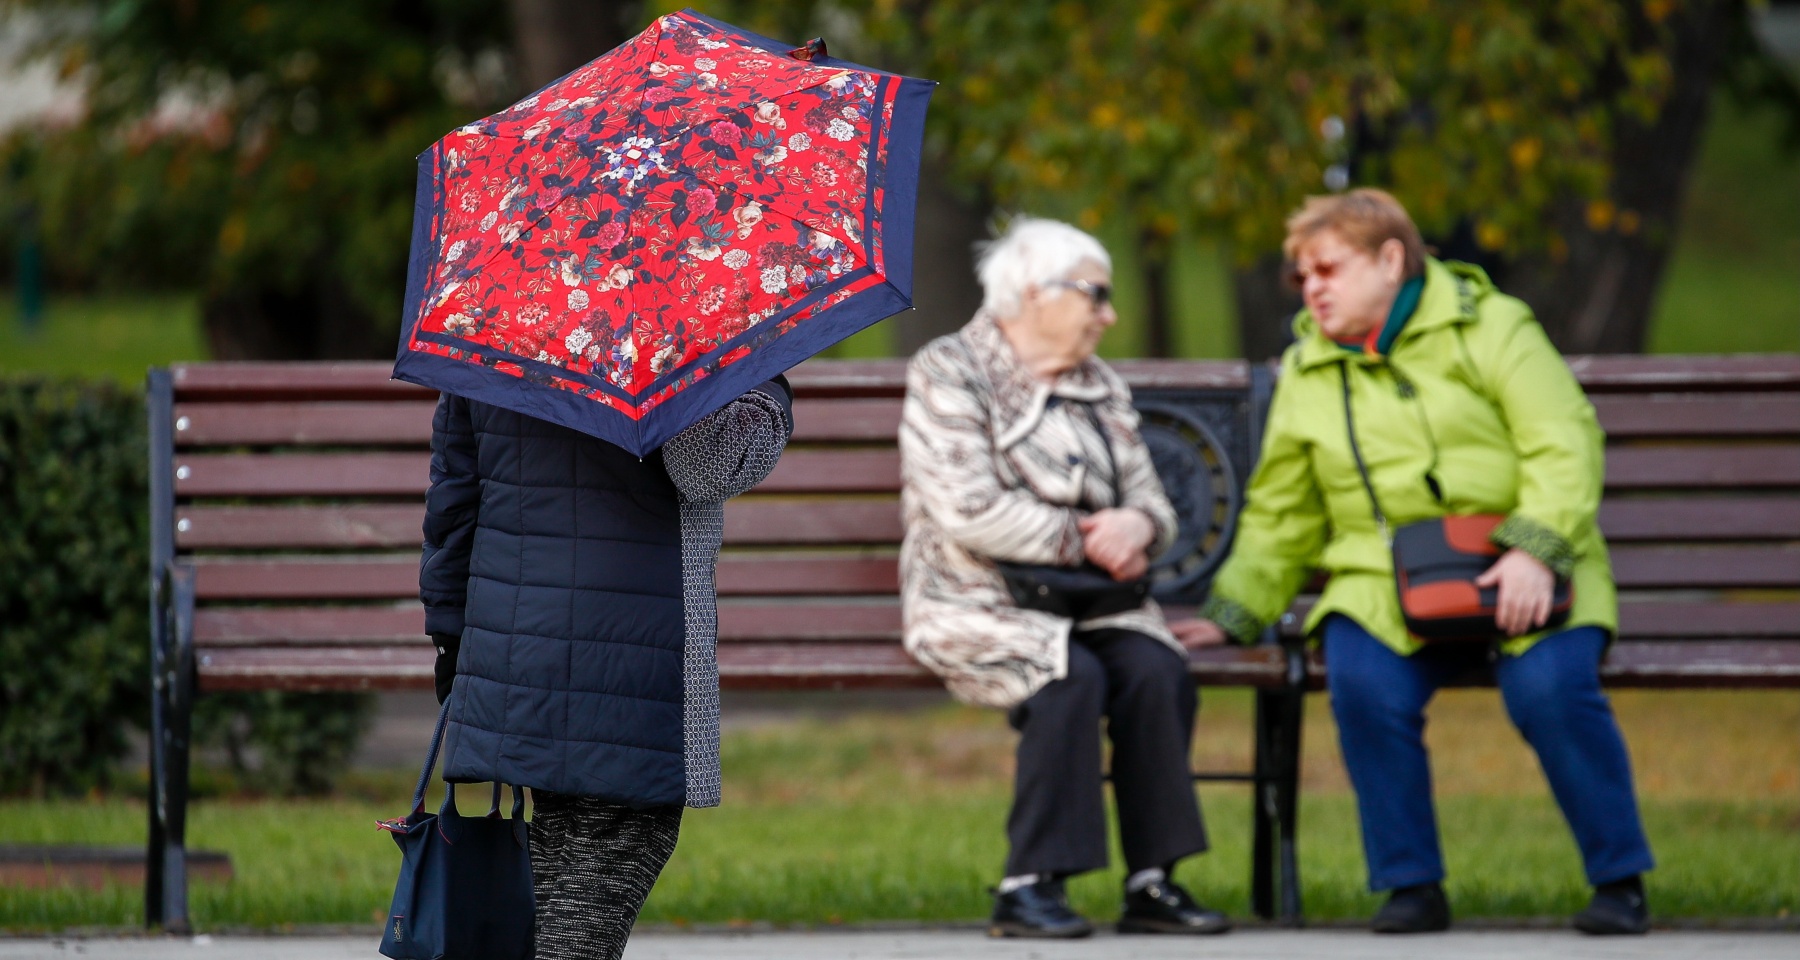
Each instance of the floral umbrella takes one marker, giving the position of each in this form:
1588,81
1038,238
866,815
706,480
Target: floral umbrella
633,246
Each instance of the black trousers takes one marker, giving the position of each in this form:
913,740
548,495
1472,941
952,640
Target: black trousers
1058,819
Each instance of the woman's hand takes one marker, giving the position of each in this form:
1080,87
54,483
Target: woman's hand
1118,541
1194,634
1526,590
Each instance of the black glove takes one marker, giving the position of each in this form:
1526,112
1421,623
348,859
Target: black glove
447,647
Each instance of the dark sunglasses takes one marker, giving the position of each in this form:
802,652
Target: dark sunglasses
1100,293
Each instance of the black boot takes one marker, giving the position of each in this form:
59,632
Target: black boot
1164,907
1420,909
1037,910
1617,908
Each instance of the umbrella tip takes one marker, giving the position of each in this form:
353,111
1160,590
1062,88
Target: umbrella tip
813,48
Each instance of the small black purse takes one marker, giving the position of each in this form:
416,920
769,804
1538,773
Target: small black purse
1079,593
1084,592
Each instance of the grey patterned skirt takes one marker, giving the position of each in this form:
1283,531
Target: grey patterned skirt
592,865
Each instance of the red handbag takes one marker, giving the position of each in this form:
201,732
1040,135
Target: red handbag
1436,564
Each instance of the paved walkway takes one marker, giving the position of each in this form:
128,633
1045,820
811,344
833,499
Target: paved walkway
970,945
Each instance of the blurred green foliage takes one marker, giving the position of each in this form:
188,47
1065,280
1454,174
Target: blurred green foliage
234,145
257,145
74,612
73,607
1224,115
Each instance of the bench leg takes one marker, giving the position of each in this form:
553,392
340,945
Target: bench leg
1264,824
1292,707
153,854
165,887
1275,866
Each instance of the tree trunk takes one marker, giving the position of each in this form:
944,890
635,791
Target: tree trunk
1265,305
945,291
553,37
1600,297
1153,249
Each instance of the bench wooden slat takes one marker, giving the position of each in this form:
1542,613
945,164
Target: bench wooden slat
1703,465
1694,664
1650,619
1694,517
344,380
814,620
395,526
811,620
827,619
408,474
848,420
803,574
397,577
807,574
368,526
328,423
875,470
321,578
349,668
741,665
408,422
832,521
1645,568
1629,374
1699,415
818,521
302,475
400,624
1703,663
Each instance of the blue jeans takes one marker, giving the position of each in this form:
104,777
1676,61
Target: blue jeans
1552,693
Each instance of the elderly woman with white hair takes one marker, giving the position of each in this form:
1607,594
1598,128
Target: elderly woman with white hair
1032,513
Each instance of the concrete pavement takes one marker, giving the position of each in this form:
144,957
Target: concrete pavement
1255,944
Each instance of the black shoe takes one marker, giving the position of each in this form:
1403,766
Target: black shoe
1420,909
1038,910
1164,907
1617,908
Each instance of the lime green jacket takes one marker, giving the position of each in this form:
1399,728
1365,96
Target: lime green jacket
1473,400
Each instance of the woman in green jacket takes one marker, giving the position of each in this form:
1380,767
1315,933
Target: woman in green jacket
1460,405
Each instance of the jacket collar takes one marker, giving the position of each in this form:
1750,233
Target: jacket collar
1451,291
1020,399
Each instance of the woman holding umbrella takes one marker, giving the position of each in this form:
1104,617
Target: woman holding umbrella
568,585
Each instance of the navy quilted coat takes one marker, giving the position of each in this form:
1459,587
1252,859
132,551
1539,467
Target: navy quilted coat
580,579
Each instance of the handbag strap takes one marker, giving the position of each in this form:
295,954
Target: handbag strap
1362,469
1112,459
431,757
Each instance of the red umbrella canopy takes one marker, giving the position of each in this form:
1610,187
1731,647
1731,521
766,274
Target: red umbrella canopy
634,245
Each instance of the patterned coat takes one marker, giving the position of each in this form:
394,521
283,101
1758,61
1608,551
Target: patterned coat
998,465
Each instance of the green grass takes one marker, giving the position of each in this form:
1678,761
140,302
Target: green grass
111,336
899,816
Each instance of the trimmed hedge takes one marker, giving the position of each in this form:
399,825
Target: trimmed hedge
74,612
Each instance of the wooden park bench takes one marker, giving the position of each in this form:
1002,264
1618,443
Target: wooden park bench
286,510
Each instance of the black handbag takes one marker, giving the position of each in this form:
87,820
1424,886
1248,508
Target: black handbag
1083,592
1436,564
464,891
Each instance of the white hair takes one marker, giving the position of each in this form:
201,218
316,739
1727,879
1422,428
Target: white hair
1032,252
